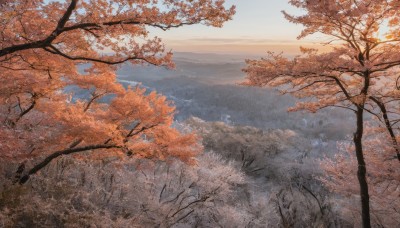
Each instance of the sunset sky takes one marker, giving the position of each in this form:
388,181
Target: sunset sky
257,27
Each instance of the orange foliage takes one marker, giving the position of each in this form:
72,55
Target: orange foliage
42,45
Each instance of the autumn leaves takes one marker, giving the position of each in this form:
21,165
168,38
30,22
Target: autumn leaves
42,45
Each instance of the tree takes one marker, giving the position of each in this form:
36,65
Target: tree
50,51
384,180
289,195
132,193
360,73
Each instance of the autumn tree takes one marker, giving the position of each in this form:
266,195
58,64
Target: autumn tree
50,50
359,73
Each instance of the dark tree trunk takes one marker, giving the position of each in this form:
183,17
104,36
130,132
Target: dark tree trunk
362,171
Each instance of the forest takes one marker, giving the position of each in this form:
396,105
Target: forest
102,126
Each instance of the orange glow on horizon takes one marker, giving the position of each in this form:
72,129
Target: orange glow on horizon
244,49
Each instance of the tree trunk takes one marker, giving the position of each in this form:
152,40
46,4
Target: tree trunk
362,171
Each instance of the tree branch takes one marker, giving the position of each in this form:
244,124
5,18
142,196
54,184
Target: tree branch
57,154
388,125
47,41
86,27
56,51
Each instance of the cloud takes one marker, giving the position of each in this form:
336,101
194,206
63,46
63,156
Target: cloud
227,41
239,46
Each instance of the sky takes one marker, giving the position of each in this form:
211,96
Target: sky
257,27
